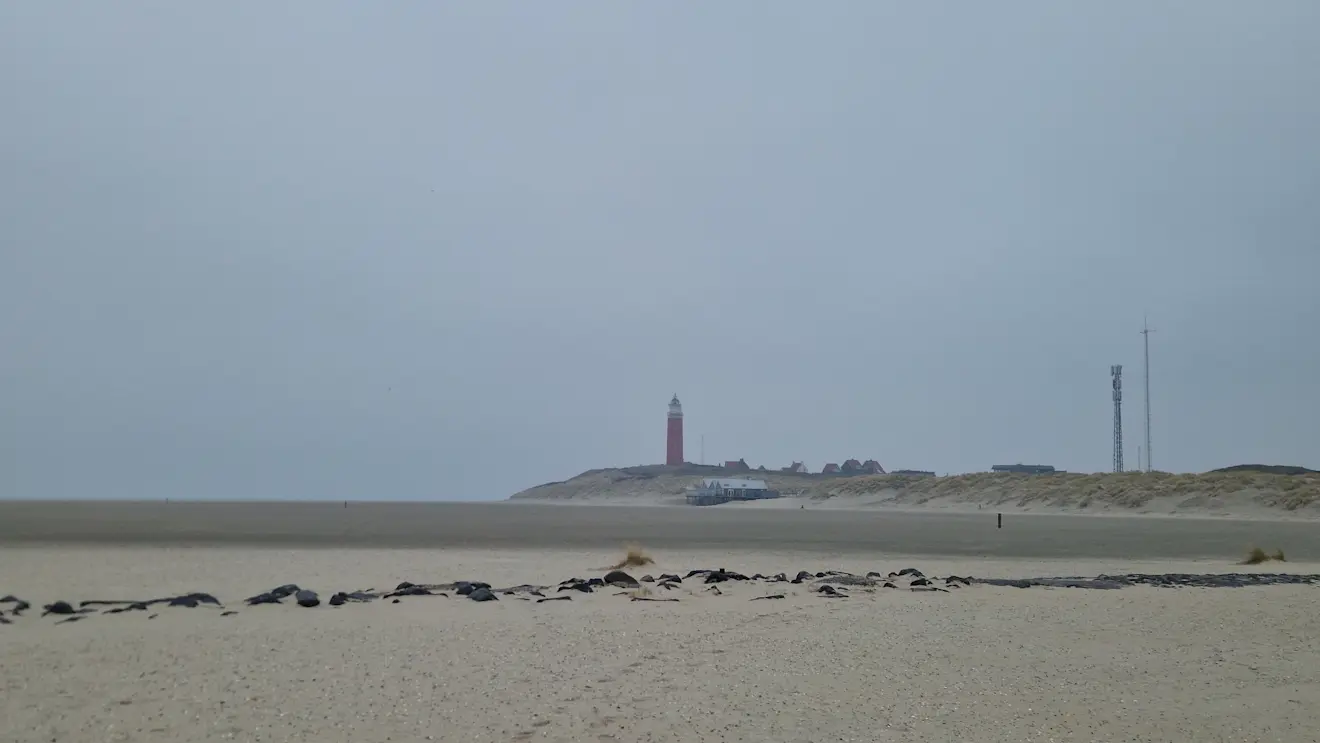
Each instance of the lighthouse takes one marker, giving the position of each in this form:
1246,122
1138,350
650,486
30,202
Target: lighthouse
674,439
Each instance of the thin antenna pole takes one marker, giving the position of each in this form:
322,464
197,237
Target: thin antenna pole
1145,333
703,448
1116,372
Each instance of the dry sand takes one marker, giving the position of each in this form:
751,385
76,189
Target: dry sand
978,664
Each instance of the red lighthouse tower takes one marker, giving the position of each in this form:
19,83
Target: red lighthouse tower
674,440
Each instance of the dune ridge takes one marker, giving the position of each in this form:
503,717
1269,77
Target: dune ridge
1231,493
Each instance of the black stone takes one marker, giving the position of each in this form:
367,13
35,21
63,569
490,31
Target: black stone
774,596
554,598
483,594
307,598
620,578
59,607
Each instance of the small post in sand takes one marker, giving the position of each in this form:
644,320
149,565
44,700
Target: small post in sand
1001,520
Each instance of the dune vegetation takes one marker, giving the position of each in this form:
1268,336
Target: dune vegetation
1228,492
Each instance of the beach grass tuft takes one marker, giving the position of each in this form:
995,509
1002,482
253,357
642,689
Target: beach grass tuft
1257,556
634,558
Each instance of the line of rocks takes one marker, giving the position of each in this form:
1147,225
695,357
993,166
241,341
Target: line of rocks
826,584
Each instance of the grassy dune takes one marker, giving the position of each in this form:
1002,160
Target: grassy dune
1222,493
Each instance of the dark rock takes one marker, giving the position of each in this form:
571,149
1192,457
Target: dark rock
274,595
338,599
692,573
411,590
648,598
647,579
307,598
620,578
773,596
554,598
668,586
71,619
136,606
920,582
595,582
928,589
912,572
889,585
228,613
583,587
722,575
957,579
831,591
803,575
671,578
59,607
184,601
779,578
20,605
715,590
287,589
483,594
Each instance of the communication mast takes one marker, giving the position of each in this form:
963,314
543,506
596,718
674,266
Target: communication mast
1145,333
1116,372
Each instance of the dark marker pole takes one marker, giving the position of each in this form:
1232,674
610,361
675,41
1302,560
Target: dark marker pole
1001,520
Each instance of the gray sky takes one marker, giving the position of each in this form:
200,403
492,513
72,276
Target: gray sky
451,250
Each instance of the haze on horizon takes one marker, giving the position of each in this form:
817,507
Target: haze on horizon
452,250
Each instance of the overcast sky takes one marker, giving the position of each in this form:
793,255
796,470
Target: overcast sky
452,250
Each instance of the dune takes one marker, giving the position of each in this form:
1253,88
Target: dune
1231,493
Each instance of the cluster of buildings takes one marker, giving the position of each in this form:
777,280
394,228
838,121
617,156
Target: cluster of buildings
714,490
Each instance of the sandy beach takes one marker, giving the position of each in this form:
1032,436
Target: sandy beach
979,663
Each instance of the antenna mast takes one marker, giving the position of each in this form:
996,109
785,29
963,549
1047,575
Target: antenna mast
1117,373
1145,333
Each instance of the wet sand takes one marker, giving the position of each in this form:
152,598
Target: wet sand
553,526
977,664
